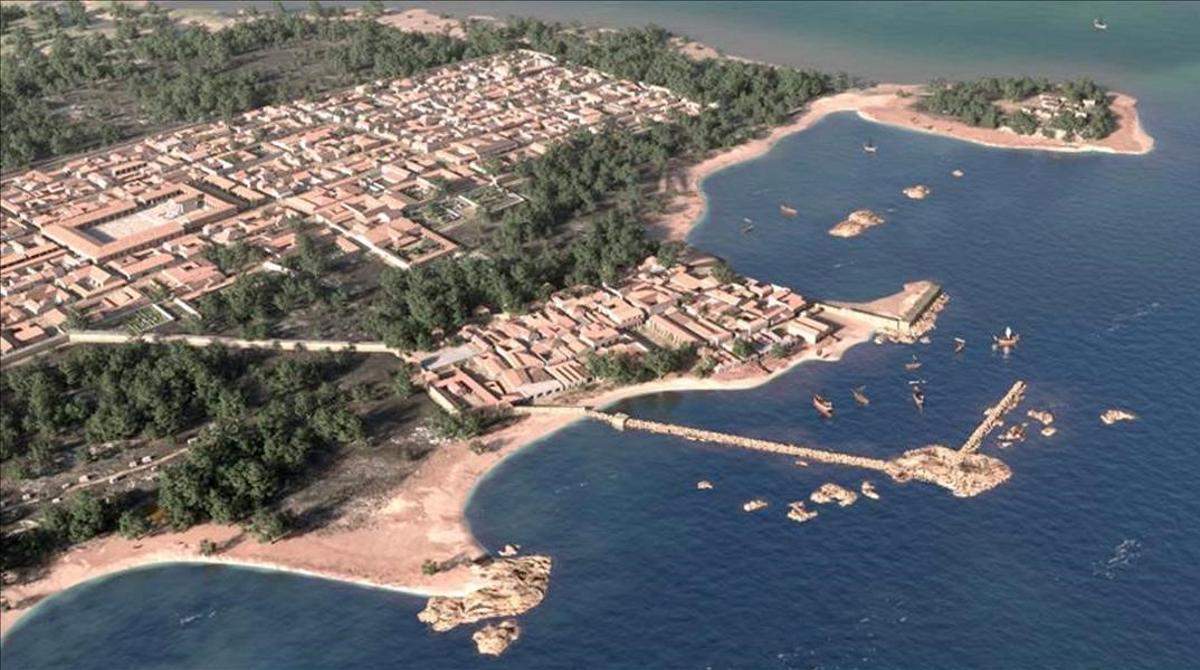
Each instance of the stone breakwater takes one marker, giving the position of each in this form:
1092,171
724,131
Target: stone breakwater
994,416
964,474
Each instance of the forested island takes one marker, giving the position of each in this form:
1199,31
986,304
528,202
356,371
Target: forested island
1066,109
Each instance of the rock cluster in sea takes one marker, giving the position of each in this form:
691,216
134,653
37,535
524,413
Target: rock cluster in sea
918,192
1114,415
510,586
494,639
704,485
857,223
798,513
830,492
964,474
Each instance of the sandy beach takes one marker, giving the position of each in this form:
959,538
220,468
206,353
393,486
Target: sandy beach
888,104
423,518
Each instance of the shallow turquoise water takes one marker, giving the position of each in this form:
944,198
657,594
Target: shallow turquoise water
1086,559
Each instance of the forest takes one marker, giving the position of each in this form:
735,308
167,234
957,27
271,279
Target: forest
261,425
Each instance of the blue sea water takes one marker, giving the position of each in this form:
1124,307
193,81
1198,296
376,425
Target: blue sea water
1088,558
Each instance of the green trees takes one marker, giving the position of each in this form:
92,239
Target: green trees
630,369
461,425
81,518
268,525
973,103
132,525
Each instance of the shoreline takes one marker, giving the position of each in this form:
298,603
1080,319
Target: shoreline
889,105
424,517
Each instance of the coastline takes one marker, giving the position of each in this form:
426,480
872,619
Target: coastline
423,518
885,104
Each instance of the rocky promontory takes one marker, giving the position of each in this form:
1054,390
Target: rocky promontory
493,640
510,586
966,474
857,223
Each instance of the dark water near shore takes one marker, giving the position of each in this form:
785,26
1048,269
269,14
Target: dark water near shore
1088,558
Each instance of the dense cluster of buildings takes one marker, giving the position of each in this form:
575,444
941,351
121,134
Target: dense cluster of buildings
385,168
515,359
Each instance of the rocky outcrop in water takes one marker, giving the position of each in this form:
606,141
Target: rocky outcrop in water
798,513
830,492
857,223
511,586
493,640
1114,415
966,474
704,485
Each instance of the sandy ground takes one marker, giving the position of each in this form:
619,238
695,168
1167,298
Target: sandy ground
423,21
422,519
889,104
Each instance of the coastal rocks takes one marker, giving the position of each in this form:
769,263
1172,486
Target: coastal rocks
965,474
704,485
754,505
868,490
830,492
857,223
510,586
1048,431
918,192
1015,433
798,513
1042,416
1114,415
493,640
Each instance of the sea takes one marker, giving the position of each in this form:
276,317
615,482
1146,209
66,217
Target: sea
1089,557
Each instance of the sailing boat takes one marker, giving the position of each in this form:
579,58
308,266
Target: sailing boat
1008,341
914,364
869,146
918,396
860,397
959,345
823,405
1099,24
787,210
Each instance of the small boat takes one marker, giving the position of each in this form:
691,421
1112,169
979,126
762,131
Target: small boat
860,397
748,228
914,364
869,146
918,396
787,210
823,405
959,345
1008,340
1099,24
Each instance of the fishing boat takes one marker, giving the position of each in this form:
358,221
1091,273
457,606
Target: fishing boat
959,345
860,397
787,210
1099,24
914,364
918,396
823,405
869,146
1008,340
